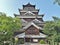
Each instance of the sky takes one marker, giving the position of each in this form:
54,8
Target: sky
46,7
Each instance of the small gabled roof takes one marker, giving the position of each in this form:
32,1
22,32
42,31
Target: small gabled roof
29,12
28,5
31,23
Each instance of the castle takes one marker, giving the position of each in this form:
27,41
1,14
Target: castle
32,24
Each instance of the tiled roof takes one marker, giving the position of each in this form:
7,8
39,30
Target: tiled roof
35,23
29,13
21,10
31,23
22,35
29,5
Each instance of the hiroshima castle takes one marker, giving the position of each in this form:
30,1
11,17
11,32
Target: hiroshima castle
32,24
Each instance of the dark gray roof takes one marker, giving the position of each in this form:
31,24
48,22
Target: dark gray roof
22,35
28,5
34,22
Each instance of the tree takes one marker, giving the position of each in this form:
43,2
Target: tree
49,30
52,29
57,1
57,28
7,27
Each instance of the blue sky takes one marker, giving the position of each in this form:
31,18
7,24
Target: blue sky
46,7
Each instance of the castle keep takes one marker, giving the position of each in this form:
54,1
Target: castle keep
32,24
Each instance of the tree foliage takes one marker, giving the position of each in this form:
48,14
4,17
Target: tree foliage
57,1
7,26
52,29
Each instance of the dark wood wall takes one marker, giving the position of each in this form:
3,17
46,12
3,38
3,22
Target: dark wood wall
29,19
32,31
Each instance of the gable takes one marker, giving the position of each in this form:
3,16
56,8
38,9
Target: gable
32,30
29,13
31,23
32,27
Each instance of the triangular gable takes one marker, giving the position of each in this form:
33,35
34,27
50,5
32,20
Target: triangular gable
33,25
29,13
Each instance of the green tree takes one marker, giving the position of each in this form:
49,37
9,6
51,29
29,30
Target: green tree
57,1
52,29
57,28
49,30
7,27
